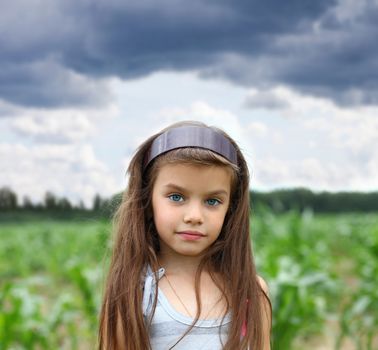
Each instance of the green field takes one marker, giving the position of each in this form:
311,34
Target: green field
322,271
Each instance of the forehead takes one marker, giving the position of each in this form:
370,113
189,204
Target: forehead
194,177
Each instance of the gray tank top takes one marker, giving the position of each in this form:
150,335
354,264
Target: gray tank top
168,325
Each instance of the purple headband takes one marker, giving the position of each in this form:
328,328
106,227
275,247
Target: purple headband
191,136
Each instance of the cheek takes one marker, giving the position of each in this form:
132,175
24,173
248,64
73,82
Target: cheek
161,215
220,219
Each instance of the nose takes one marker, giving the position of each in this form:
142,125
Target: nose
193,213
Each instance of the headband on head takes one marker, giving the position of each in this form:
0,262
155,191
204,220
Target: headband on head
191,136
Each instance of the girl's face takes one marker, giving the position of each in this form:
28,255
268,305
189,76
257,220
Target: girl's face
189,205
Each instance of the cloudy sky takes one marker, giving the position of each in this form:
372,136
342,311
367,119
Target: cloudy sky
83,82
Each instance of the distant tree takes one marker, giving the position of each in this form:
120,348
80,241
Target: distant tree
97,203
111,205
64,204
27,203
8,199
50,201
324,202
81,205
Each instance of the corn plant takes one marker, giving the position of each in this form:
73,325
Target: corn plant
292,257
359,314
50,284
318,268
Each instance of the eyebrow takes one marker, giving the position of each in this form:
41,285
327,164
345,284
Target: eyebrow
181,189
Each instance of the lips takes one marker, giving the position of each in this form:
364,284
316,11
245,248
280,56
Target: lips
191,233
191,236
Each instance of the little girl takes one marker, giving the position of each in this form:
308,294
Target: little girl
182,274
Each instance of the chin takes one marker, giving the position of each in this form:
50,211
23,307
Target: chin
192,253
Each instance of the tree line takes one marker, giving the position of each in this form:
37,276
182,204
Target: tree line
278,201
321,202
9,201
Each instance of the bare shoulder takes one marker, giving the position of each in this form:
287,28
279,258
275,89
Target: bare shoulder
267,314
263,284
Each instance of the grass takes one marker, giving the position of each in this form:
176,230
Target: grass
322,272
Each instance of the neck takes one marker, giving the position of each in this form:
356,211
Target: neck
183,265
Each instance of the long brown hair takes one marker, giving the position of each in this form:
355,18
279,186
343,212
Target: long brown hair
136,246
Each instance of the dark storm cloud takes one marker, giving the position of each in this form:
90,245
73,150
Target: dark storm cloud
339,58
55,53
47,84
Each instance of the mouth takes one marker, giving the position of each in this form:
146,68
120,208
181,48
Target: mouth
191,233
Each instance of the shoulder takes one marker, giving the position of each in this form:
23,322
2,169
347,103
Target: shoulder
266,313
263,284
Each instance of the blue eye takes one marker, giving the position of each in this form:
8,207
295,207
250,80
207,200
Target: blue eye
213,202
175,197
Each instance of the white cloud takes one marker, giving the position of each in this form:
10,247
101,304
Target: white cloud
50,150
54,129
71,171
312,144
351,129
333,147
310,172
60,125
198,110
358,133
79,152
257,128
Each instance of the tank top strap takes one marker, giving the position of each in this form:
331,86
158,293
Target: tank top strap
149,283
